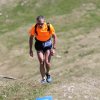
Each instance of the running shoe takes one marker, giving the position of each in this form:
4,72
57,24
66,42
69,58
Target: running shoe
48,79
43,81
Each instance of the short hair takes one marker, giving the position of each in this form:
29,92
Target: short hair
40,17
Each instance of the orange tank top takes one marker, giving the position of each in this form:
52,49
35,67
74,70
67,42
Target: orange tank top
43,33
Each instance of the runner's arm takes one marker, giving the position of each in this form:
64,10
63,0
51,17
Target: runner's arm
30,45
54,40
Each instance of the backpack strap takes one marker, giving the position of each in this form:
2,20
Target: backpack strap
36,29
48,25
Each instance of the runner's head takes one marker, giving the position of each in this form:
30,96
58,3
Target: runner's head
40,21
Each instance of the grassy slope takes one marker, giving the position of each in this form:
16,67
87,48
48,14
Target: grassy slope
77,26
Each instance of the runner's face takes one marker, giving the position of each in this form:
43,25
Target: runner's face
40,23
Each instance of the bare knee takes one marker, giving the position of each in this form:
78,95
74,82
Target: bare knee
47,62
41,61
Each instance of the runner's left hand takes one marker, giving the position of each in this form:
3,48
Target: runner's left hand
52,52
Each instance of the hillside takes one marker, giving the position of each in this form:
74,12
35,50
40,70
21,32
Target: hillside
75,67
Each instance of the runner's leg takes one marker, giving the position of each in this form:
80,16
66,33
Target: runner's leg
47,60
41,61
48,65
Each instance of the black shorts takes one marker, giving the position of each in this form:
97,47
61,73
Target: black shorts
43,46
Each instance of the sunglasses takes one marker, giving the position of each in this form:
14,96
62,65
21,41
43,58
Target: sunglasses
40,23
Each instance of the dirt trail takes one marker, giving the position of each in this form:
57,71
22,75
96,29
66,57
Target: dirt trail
2,2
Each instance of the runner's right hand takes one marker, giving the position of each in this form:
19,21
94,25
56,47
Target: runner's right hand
31,53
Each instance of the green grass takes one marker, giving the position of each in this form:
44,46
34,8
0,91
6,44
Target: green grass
85,22
22,15
15,22
22,91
